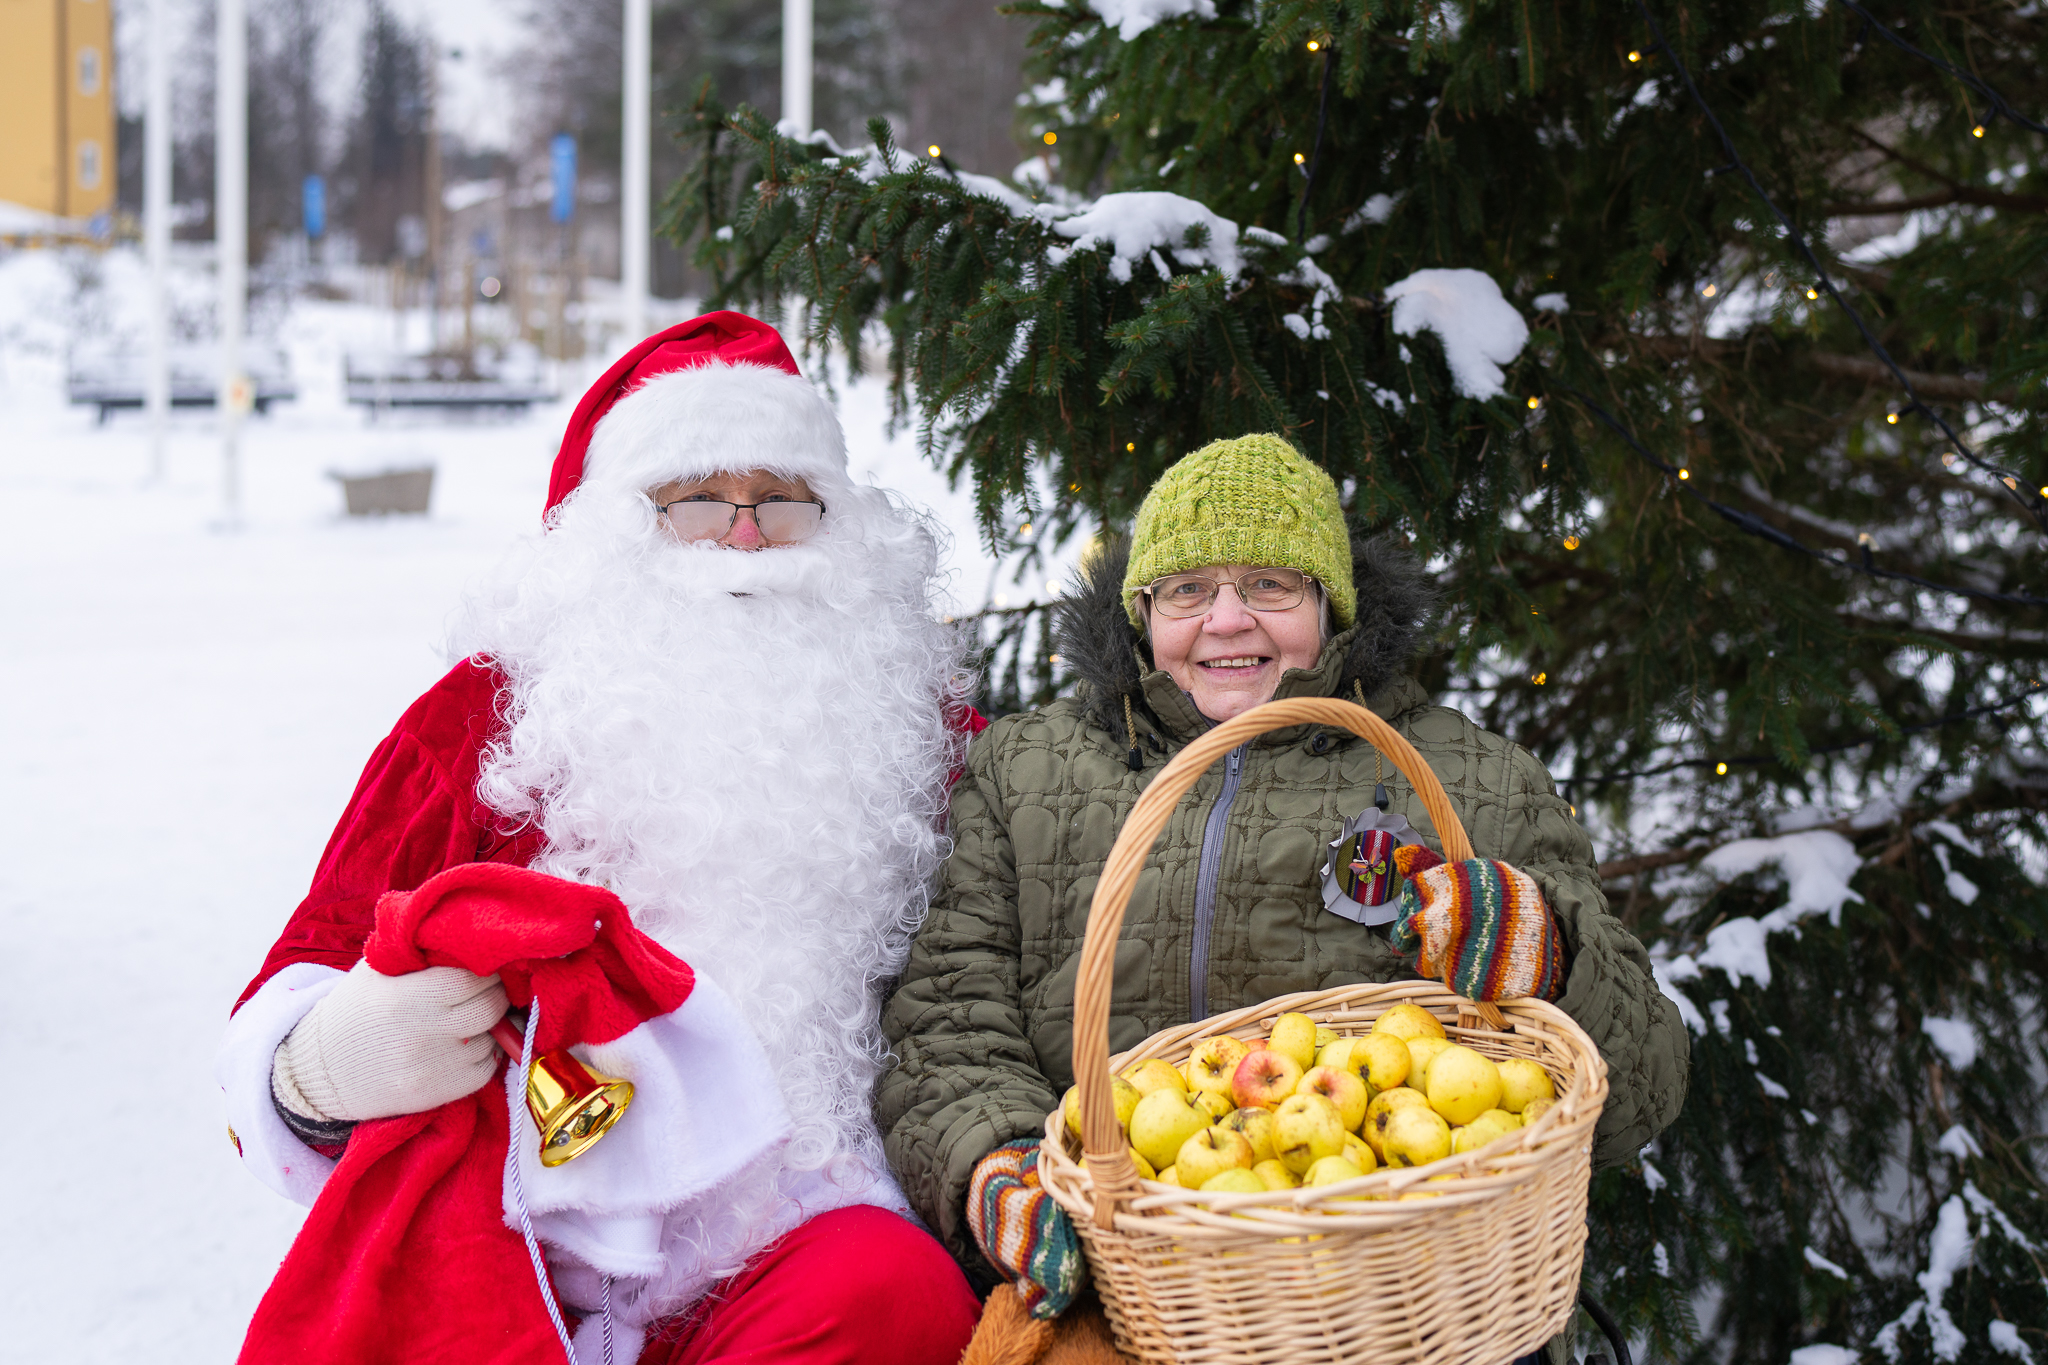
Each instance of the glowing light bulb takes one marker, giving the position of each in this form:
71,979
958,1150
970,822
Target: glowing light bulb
2010,482
1299,158
1540,679
1130,446
1721,769
1812,293
2044,491
1634,55
1892,418
1685,473
1710,290
1025,529
1978,131
1051,138
1314,46
1571,542
932,150
1534,403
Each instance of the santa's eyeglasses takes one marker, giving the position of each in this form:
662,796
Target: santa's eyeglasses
781,523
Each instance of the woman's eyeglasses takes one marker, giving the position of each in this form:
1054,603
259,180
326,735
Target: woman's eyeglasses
781,523
1193,594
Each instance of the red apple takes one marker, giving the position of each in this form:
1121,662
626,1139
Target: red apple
1263,1079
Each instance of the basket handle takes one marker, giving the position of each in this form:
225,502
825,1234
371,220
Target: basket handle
1102,1145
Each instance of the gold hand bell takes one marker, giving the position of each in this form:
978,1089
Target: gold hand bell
572,1105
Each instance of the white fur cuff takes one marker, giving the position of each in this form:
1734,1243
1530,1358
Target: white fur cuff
242,1067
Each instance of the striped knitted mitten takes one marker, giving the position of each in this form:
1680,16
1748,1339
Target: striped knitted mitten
1481,927
1022,1230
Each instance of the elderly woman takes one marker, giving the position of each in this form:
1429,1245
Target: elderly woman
1240,584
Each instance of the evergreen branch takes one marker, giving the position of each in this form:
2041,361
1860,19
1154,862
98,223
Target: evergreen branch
1954,388
1750,524
1895,730
1998,104
1961,194
1822,281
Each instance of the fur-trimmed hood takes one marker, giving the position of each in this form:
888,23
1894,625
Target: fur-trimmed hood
1098,642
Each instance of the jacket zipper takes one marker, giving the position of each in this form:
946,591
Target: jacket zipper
1205,884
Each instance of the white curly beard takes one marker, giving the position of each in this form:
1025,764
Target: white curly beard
751,750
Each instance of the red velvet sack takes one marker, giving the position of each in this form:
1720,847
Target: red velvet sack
406,1255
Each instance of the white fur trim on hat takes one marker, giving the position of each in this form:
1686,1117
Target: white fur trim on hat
716,419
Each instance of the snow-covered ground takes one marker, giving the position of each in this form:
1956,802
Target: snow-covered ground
183,711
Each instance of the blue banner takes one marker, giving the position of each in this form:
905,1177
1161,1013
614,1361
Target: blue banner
315,206
563,155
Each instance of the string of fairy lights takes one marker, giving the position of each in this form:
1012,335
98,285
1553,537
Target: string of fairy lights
1722,765
1999,108
1750,524
2036,507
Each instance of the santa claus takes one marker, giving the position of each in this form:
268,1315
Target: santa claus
714,688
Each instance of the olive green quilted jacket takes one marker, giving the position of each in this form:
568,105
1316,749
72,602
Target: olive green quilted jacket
981,1021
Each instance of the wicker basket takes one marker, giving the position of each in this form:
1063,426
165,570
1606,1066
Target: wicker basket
1473,1272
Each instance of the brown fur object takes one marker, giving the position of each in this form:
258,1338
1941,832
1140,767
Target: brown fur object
1009,1335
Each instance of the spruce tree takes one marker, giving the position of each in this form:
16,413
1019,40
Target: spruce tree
1747,544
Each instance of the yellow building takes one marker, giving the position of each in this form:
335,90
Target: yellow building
57,106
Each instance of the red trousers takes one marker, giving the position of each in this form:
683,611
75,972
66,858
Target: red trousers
857,1286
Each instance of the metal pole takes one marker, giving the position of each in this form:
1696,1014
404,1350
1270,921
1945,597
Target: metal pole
433,197
796,64
231,236
634,224
156,231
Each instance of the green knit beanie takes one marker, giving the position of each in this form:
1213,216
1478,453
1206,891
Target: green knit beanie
1255,500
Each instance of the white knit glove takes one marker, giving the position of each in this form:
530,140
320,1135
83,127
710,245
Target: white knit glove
383,1045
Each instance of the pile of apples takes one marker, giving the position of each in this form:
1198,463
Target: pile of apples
1307,1106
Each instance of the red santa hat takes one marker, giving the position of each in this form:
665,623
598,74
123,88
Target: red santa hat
717,394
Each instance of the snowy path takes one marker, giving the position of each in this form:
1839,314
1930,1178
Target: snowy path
185,713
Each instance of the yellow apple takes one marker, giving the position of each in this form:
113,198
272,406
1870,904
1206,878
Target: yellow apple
1263,1079
1340,1088
1381,1109
1521,1081
1358,1154
1152,1073
1324,1037
1257,1127
1236,1180
1534,1110
1169,1176
1408,1020
1214,1061
1215,1103
1210,1152
1415,1136
1122,1093
1306,1128
1382,1059
1463,1084
1294,1035
1488,1127
1421,1052
1145,1171
1162,1121
1275,1175
1330,1170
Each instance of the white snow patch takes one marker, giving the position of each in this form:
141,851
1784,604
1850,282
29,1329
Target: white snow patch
1132,17
1375,210
1310,275
1772,1088
1662,1259
1959,886
1821,1353
1736,946
1954,834
1817,865
1479,328
724,234
1137,223
1810,1118
2005,1338
1979,1201
1820,1262
1552,303
1653,1178
1947,1252
1958,1143
1955,1037
1719,1009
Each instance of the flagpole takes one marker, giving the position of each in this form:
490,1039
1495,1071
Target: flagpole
156,232
231,239
634,213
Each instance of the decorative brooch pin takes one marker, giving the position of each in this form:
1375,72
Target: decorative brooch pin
1360,881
